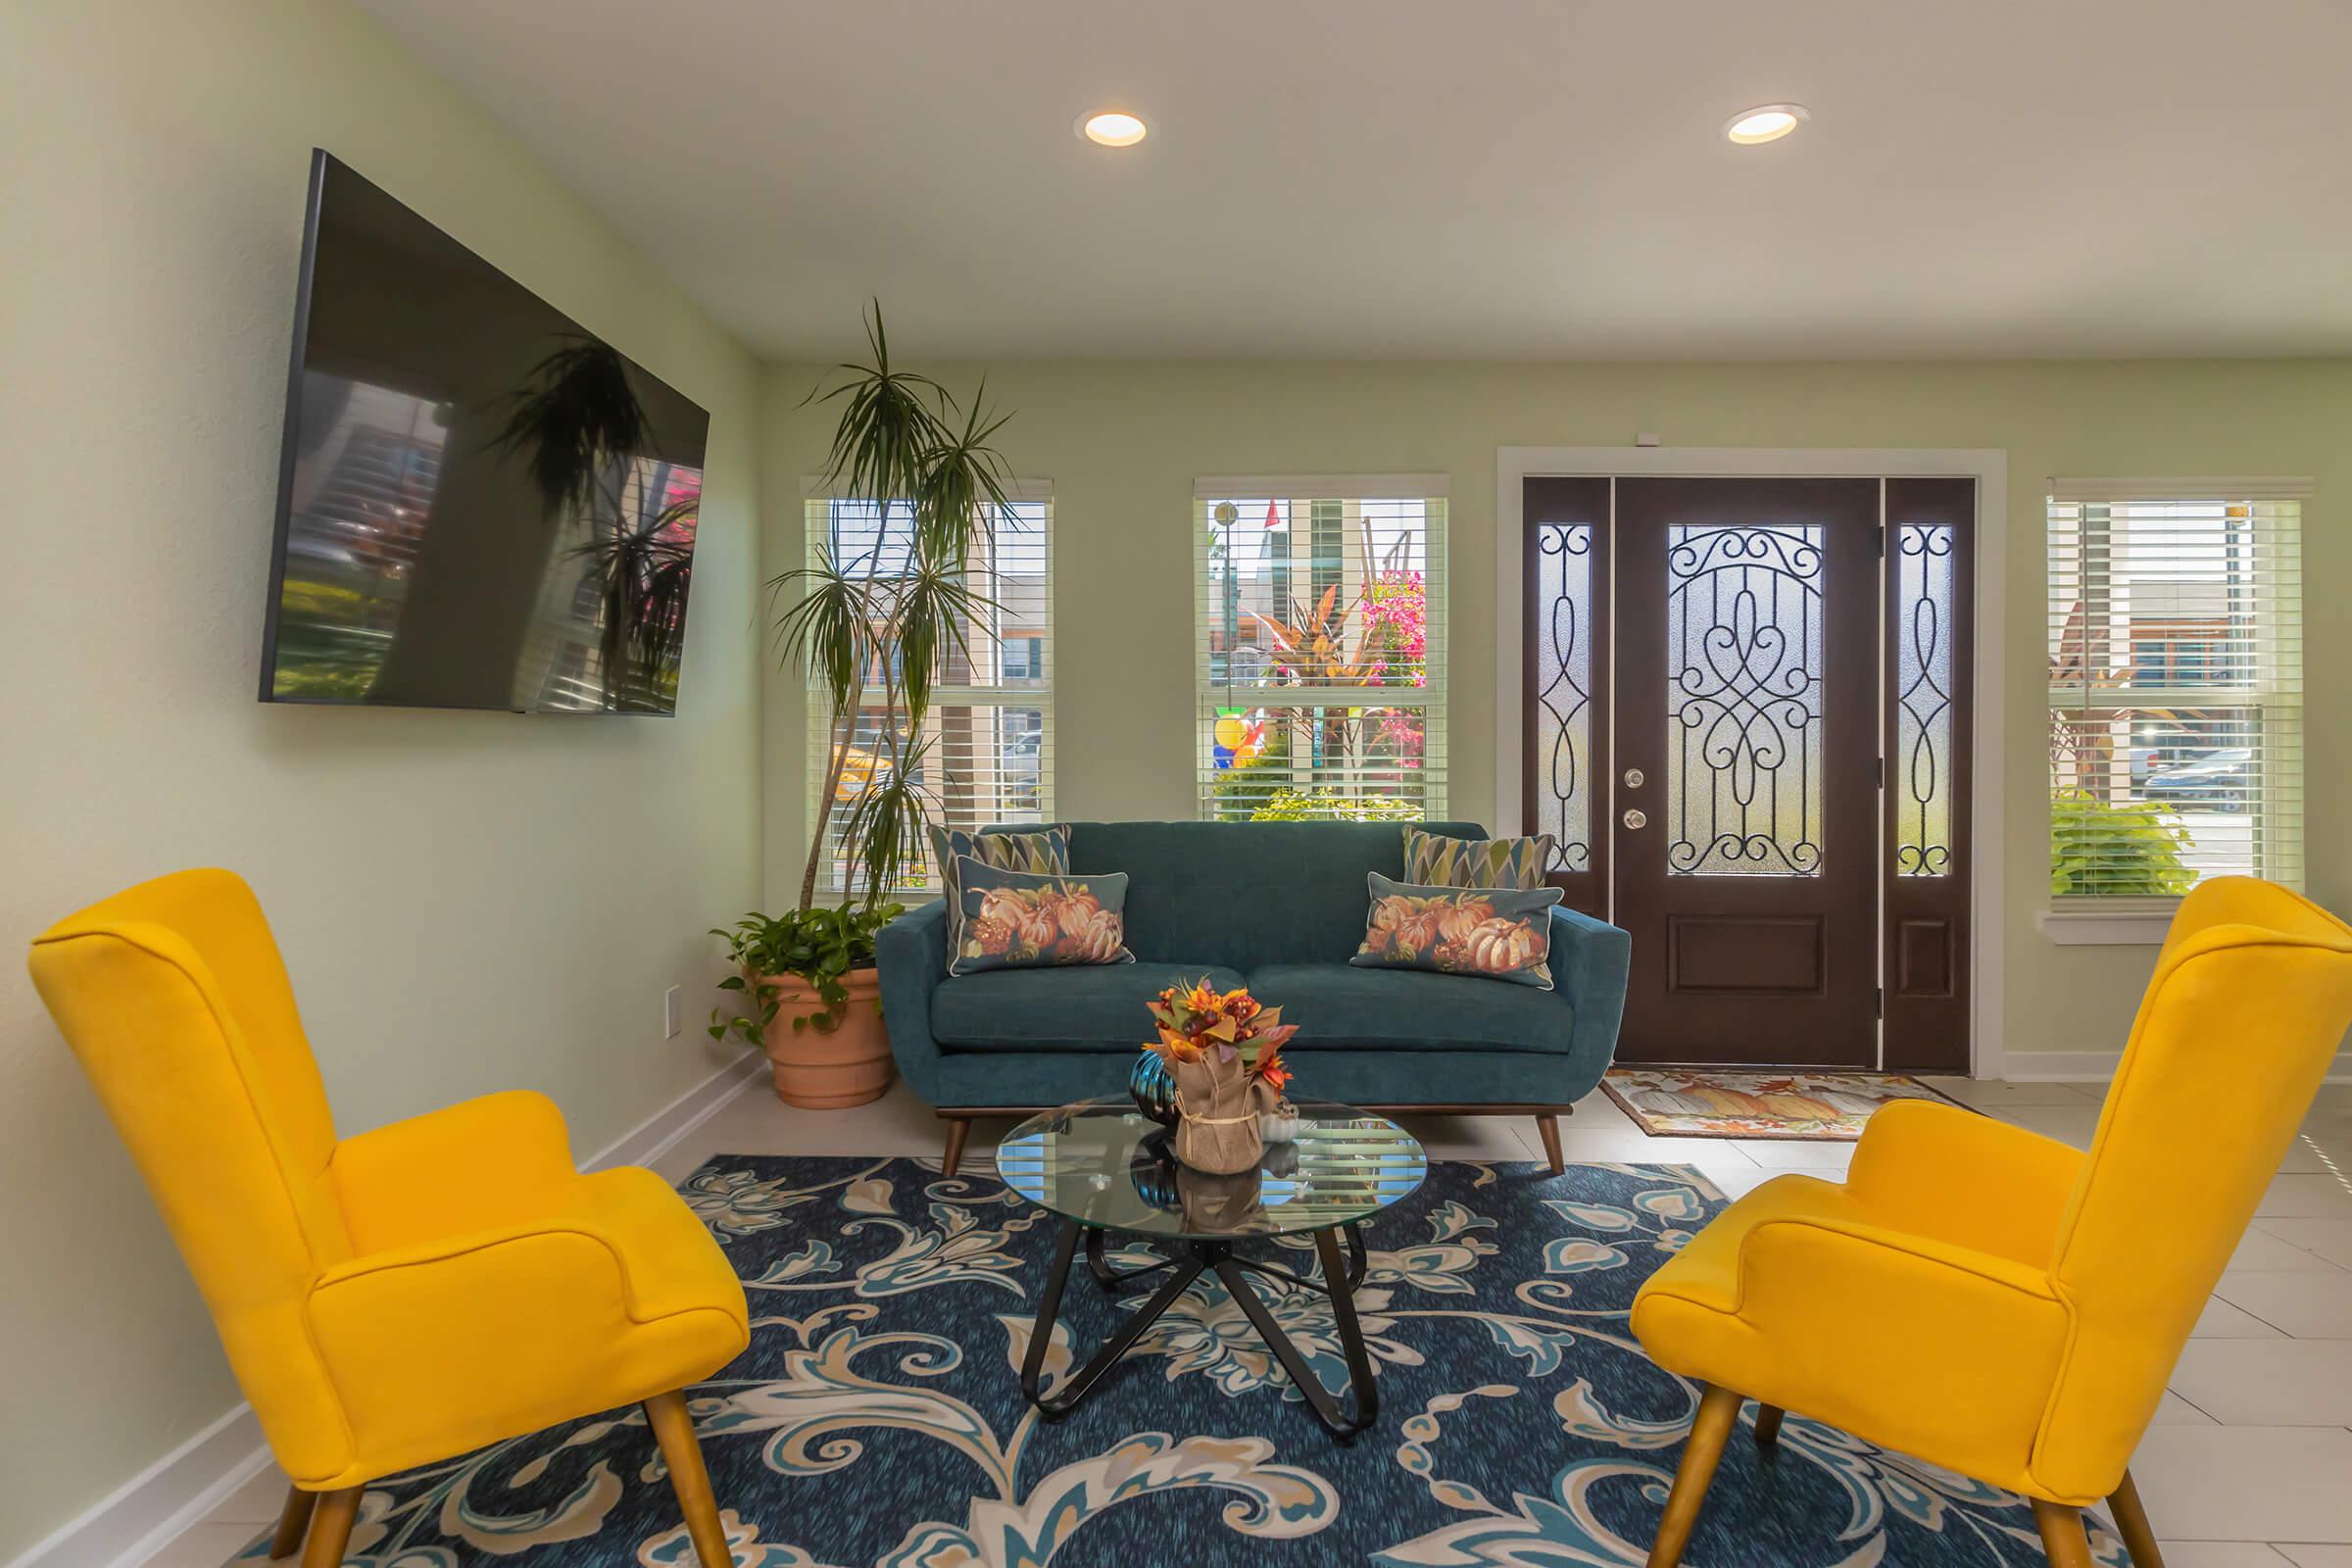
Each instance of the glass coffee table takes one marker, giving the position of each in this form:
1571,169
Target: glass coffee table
1105,1169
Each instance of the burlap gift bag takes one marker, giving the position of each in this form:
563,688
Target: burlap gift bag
1217,1205
1216,1124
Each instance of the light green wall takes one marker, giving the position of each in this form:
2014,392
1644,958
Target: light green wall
1123,442
471,902
468,902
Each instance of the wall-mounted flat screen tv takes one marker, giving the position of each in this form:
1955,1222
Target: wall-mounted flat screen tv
480,503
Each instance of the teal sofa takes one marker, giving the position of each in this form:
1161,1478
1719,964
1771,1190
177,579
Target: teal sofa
1278,907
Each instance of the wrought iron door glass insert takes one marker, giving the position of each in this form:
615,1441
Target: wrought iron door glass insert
1103,1168
1564,695
1923,715
1743,686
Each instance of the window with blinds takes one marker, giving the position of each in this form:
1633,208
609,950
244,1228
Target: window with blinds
1320,647
2175,654
987,741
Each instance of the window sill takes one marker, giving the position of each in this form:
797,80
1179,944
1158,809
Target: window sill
2126,925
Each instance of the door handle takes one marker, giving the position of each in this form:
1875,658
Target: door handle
1636,820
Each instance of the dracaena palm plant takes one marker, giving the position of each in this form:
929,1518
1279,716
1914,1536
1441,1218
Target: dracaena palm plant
882,620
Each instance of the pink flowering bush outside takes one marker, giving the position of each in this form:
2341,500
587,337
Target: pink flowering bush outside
1397,630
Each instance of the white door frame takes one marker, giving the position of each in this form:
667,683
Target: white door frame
1989,468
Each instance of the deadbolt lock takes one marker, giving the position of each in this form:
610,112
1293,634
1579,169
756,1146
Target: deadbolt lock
1632,779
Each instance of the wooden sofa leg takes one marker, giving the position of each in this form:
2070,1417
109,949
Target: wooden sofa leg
1718,1413
959,1128
293,1523
1547,1126
330,1527
1768,1425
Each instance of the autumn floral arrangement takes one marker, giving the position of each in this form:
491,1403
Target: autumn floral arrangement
1224,1051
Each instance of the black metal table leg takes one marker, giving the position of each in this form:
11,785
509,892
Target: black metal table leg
1048,1308
1110,1279
1357,1262
1358,1265
1364,1395
1360,1381
1064,1399
1339,1278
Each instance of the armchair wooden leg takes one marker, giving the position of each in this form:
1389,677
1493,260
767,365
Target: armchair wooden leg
330,1527
1547,1127
1718,1413
2062,1537
1768,1425
959,1128
674,1428
293,1522
2132,1523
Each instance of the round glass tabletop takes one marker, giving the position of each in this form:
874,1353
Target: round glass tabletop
1103,1163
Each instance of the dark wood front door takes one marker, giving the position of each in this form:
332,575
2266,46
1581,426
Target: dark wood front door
1745,833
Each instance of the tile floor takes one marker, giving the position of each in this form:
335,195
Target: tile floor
2249,1464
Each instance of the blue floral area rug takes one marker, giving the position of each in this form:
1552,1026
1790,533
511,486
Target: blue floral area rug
877,1417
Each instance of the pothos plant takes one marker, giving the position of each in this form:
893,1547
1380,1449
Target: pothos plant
819,946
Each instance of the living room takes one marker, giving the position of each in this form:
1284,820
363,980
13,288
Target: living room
1771,548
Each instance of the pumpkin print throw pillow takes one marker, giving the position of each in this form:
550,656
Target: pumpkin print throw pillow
1034,919
1493,933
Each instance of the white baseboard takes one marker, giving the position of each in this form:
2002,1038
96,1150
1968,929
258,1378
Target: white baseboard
2098,1066
655,1136
138,1518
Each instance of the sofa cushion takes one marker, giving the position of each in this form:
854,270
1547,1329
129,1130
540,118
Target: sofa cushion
1338,1007
1098,1008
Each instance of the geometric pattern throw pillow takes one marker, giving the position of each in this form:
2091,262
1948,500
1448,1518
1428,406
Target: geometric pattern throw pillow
1431,861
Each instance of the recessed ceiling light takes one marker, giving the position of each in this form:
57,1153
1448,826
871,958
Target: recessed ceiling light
1765,122
1112,128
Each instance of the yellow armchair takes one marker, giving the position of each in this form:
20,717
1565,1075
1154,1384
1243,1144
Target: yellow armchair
398,1297
1992,1300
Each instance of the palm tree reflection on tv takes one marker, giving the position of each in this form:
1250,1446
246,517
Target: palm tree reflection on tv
532,553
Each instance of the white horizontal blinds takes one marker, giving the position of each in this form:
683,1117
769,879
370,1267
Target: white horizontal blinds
1320,647
2176,667
989,736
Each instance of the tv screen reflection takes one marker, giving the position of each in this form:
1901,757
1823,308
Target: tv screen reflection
482,504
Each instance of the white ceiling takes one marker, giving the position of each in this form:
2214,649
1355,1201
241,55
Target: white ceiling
1455,178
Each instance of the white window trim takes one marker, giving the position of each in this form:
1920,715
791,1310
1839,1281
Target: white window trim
816,487
2261,487
2107,922
1988,466
1321,486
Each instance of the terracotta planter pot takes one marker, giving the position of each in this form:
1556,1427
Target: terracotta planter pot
823,1071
